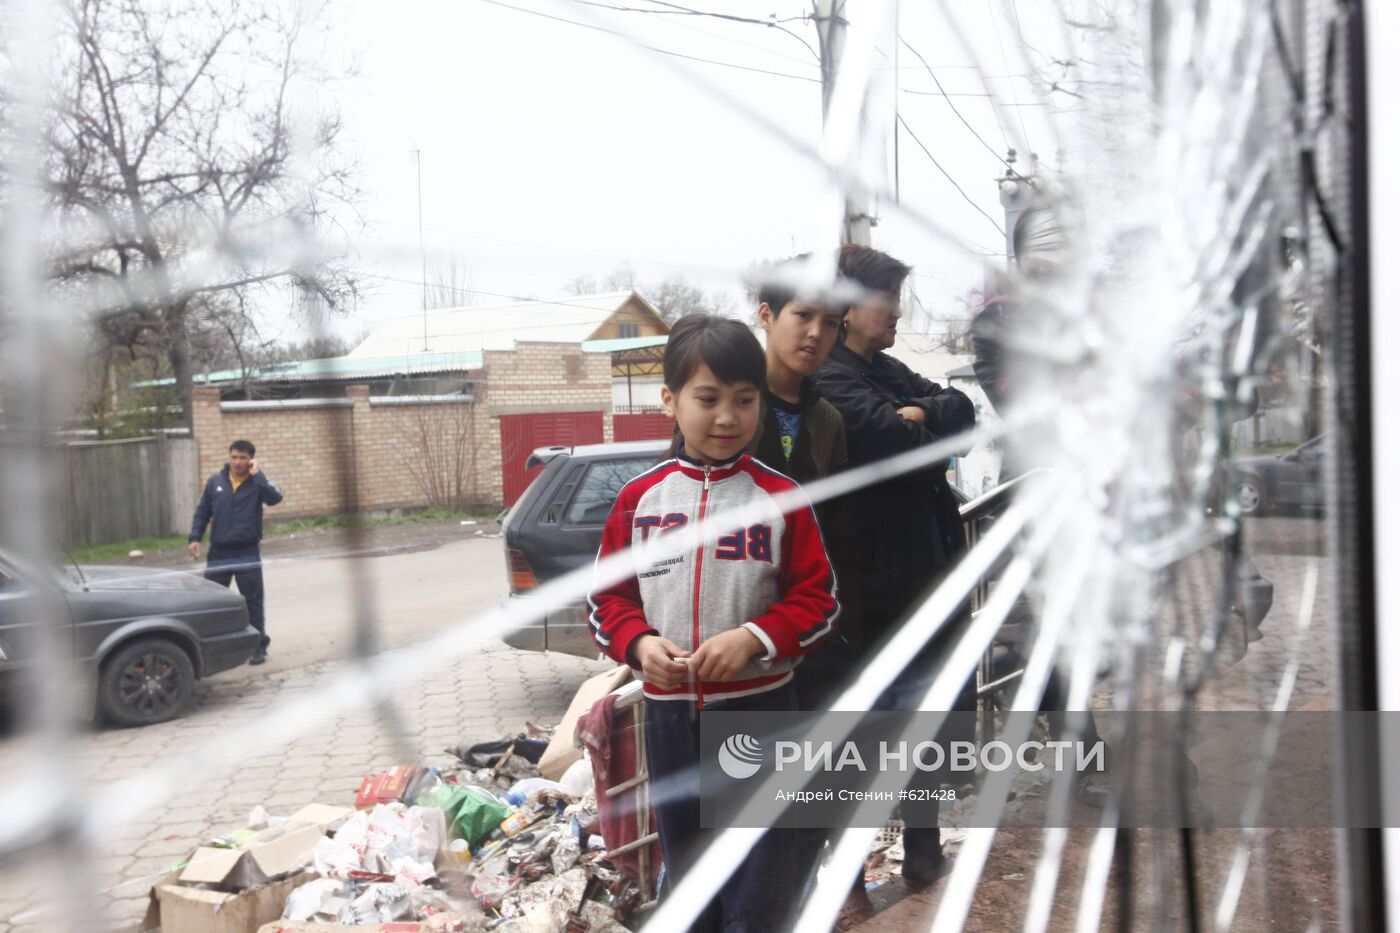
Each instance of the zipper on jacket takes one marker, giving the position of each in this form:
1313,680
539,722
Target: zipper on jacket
695,601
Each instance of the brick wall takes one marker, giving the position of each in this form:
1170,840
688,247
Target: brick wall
358,453
409,455
541,377
303,447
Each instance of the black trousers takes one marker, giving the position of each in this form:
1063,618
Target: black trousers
832,667
243,565
761,895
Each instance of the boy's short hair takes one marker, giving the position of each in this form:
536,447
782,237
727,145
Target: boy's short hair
871,268
779,287
729,348
244,446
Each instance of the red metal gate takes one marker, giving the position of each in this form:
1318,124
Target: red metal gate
646,426
521,434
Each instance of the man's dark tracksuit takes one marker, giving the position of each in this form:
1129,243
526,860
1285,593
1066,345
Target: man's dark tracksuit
233,541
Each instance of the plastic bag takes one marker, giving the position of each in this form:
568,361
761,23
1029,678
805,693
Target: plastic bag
471,812
377,840
336,856
316,900
492,889
521,792
578,780
488,754
378,903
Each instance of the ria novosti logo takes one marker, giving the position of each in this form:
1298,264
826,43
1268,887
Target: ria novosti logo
741,756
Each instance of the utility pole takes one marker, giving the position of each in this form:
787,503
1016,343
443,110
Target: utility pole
830,17
1019,193
422,253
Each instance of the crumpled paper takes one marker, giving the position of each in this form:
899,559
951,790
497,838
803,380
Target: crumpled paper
391,839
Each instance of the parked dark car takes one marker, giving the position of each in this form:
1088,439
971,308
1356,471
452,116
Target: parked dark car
1287,480
556,526
141,636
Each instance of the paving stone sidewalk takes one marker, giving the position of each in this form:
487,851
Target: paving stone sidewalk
487,694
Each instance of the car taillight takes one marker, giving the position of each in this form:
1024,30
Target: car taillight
521,576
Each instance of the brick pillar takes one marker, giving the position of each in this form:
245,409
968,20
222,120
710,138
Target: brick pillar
353,494
207,428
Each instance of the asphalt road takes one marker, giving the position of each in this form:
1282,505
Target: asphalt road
209,768
316,599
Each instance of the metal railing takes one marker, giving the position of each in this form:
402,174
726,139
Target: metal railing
974,513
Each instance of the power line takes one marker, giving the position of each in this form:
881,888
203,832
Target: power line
1028,103
741,19
1007,65
914,136
984,77
745,107
736,41
956,112
677,10
651,48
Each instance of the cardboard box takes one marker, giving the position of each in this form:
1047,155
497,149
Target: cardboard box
269,854
184,909
561,751
241,889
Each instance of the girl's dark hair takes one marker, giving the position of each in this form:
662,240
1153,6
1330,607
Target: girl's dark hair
726,346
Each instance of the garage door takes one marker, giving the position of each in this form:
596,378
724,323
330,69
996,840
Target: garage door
521,434
648,426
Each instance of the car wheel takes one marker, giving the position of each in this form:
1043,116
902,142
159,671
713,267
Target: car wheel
1249,493
146,682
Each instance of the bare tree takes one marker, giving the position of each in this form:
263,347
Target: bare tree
437,447
753,276
950,330
954,335
184,179
674,297
623,278
324,347
584,285
450,285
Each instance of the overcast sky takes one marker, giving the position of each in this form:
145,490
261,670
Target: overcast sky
551,150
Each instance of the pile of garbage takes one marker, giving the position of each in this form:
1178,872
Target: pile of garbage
488,844
492,842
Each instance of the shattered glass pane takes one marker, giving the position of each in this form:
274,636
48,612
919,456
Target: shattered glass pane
426,259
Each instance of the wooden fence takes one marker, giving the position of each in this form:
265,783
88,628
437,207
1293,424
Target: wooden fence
119,490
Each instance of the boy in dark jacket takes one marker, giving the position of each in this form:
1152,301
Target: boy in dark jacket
233,500
800,434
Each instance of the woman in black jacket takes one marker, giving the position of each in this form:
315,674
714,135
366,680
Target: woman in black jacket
907,529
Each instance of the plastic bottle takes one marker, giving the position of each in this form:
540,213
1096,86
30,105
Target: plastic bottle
514,823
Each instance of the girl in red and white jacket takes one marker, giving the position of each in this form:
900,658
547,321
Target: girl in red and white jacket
723,624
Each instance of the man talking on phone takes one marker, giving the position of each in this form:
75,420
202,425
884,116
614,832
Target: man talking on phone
233,499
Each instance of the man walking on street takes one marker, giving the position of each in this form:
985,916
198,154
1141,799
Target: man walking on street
234,498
